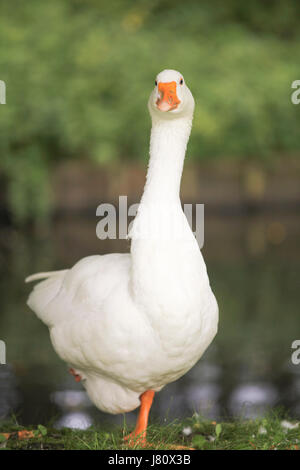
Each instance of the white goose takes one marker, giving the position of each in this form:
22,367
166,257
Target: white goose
128,324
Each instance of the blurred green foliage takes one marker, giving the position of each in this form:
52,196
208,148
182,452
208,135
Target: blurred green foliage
78,75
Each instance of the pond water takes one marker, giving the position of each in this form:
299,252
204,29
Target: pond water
254,268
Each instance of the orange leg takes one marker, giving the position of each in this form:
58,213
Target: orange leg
138,436
77,377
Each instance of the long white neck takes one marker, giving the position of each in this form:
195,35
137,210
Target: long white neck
160,215
165,257
167,151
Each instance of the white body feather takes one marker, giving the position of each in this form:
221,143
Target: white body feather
132,322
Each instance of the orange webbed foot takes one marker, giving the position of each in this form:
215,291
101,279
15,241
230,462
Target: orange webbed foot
133,439
138,436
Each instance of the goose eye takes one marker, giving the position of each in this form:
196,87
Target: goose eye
155,82
181,81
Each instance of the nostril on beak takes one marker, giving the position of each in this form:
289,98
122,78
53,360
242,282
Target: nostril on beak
167,96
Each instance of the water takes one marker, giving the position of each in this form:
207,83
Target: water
254,267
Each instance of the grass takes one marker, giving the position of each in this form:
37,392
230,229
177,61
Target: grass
269,433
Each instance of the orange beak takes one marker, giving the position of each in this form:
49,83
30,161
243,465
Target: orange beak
168,98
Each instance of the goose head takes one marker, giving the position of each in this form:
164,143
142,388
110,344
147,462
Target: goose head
170,98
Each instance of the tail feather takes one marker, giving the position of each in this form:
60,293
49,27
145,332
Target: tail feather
36,277
43,293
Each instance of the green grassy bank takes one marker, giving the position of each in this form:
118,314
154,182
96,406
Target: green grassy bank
269,433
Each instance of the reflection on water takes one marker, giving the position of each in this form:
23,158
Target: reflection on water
254,267
252,399
9,395
75,409
74,420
